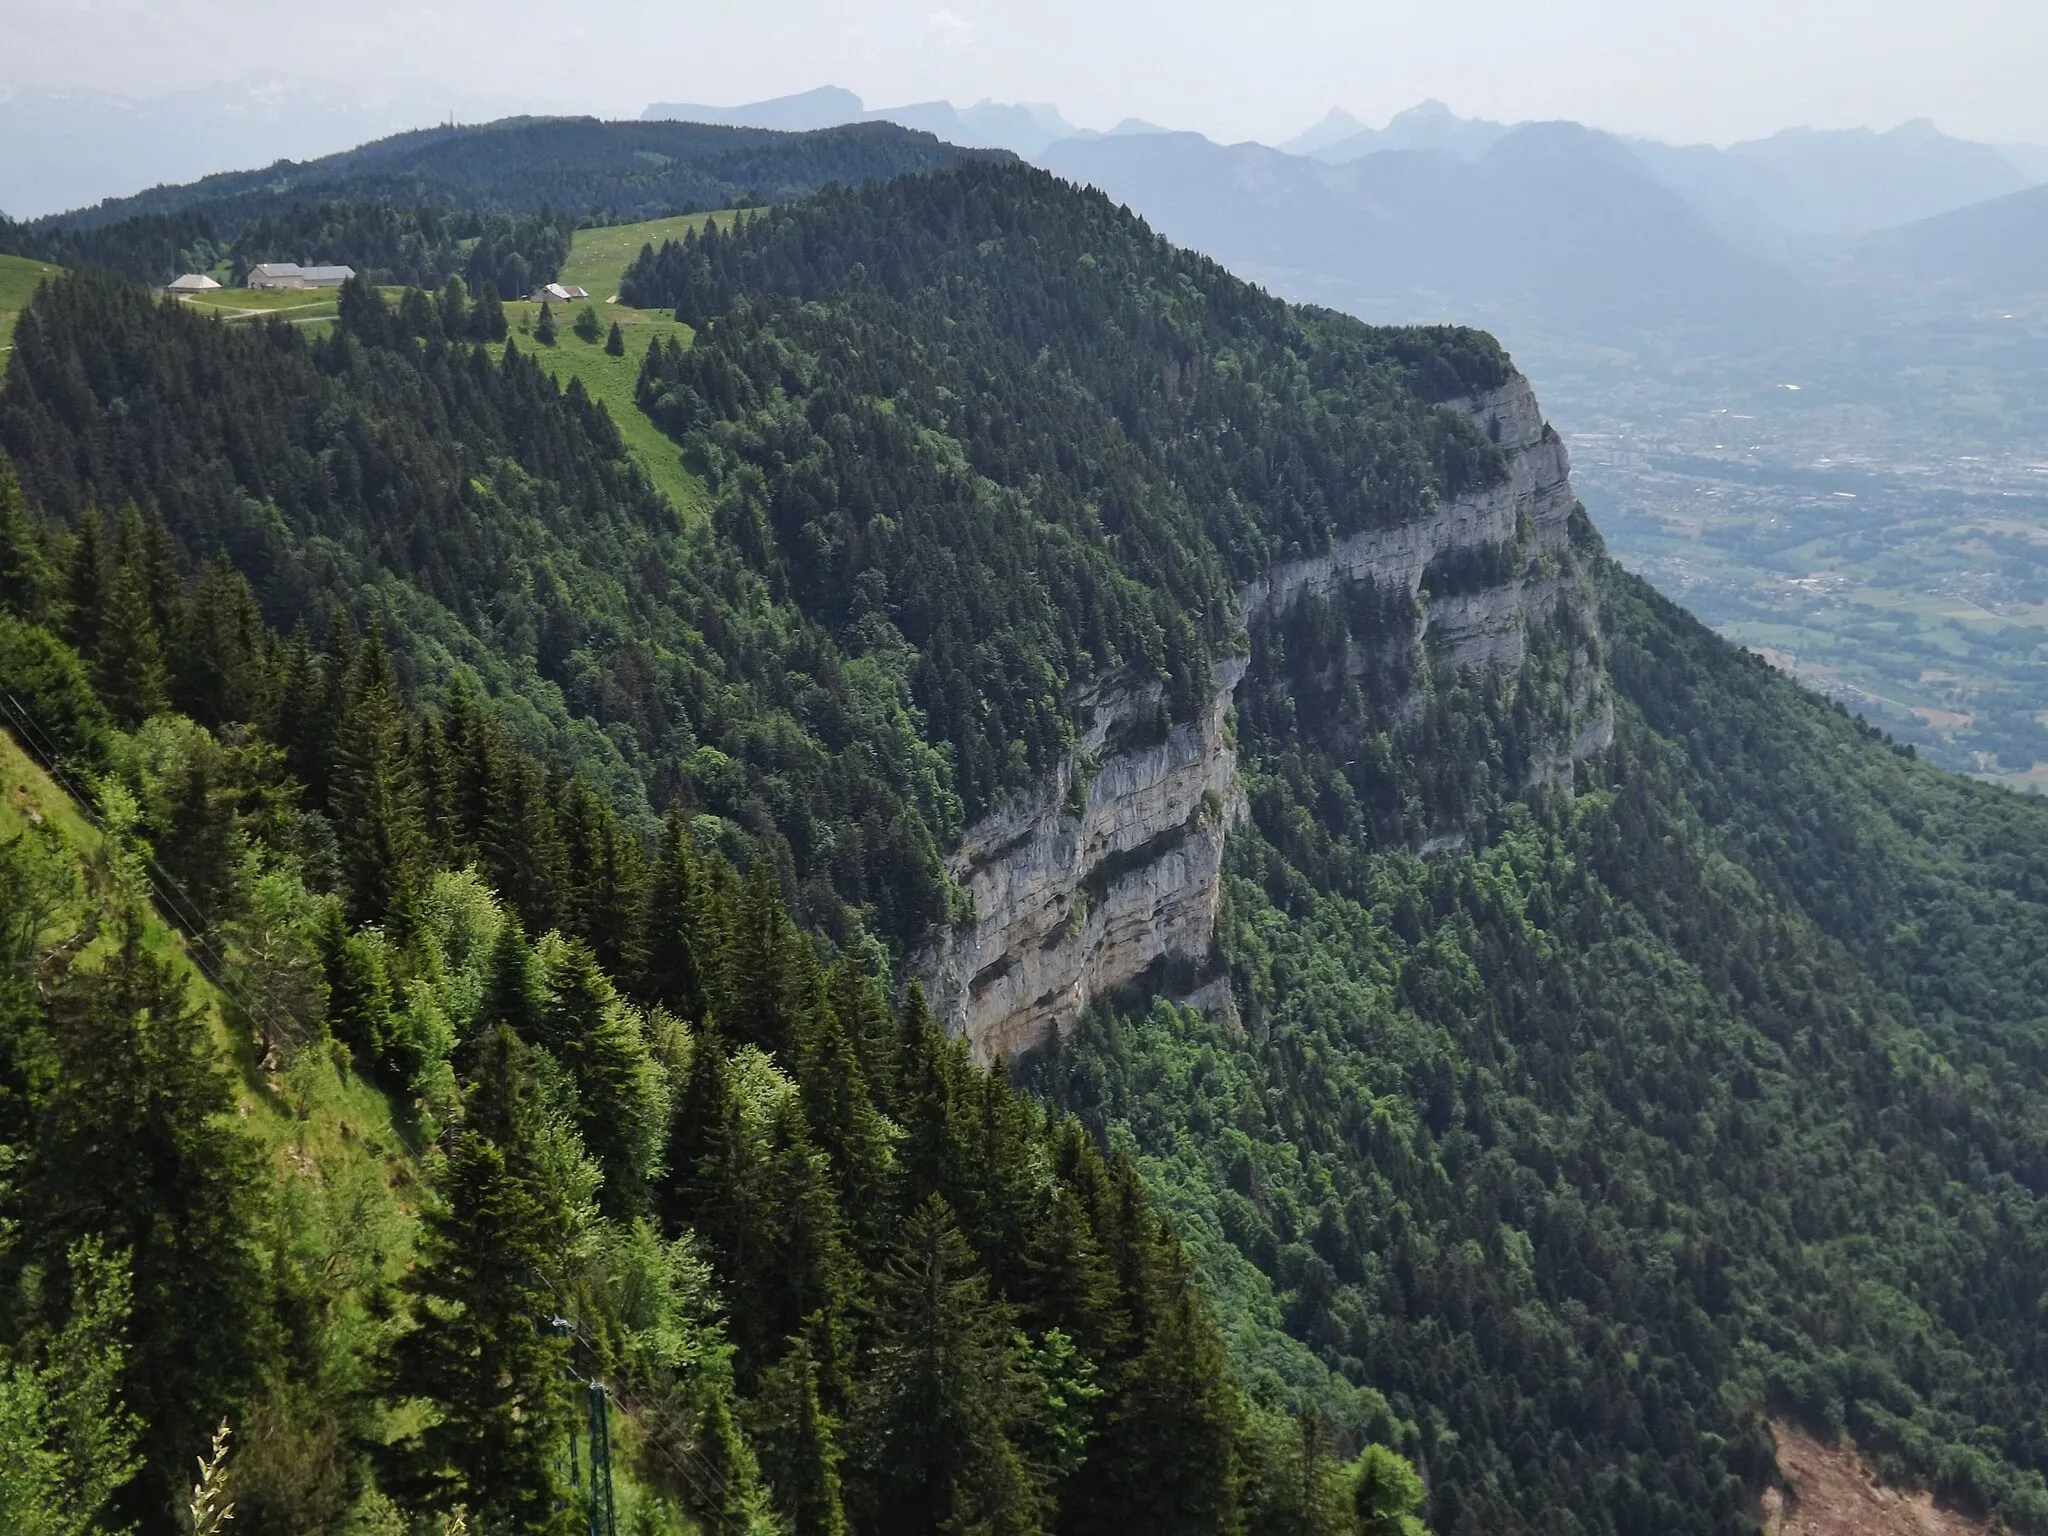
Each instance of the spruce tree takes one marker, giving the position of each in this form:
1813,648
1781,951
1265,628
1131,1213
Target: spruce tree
670,972
482,1353
764,968
29,586
544,327
225,669
946,1398
137,1145
615,343
607,880
520,841
301,725
487,314
377,809
359,997
128,651
85,581
589,1029
798,1443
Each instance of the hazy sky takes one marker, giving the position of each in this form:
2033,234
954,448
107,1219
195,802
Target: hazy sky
1231,68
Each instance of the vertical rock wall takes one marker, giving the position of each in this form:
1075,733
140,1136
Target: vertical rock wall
1111,869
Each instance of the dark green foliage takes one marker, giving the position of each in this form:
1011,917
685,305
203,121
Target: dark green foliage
585,325
799,1445
994,417
614,172
544,326
1556,1160
615,341
949,1400
44,676
482,1352
376,793
1557,1152
692,684
128,1144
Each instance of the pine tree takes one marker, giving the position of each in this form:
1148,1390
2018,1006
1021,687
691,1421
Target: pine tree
842,1118
482,1352
29,586
1166,1460
359,997
615,343
434,767
763,969
798,1443
516,994
586,323
725,1489
544,327
201,843
590,1030
670,974
225,665
487,314
376,797
137,1145
128,651
302,726
85,581
146,544
945,1397
520,841
607,880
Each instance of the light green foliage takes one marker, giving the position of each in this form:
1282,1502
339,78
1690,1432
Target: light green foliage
39,891
66,1441
1065,1419
1385,1494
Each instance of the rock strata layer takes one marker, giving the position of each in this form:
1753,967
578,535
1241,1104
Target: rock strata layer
1109,872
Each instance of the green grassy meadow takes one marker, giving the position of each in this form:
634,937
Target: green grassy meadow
611,379
18,279
596,260
598,256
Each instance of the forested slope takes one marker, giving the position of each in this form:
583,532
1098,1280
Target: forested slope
420,205
595,832
1716,1088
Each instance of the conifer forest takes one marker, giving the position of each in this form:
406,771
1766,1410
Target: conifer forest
467,1059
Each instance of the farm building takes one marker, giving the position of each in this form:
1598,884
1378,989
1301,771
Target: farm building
559,293
289,274
193,282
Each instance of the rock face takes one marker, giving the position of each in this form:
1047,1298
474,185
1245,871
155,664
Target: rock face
1109,872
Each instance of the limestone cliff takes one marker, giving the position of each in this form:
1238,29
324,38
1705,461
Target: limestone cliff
1110,871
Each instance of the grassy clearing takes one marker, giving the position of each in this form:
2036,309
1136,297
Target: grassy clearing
611,380
313,309
19,278
597,257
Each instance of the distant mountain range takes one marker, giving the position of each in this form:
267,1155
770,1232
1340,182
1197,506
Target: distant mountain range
1024,128
1412,219
1554,226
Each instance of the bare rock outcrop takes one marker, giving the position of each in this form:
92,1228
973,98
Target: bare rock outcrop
1110,870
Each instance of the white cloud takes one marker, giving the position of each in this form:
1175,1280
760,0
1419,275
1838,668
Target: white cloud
951,29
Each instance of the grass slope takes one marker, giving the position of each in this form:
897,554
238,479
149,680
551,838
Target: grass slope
19,278
337,1156
598,256
611,380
